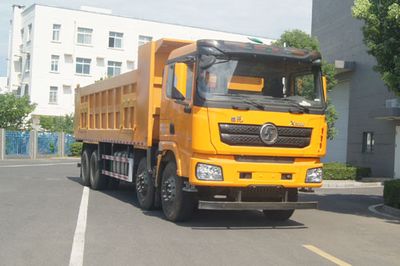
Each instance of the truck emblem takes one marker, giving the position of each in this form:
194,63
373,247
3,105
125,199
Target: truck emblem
296,124
269,134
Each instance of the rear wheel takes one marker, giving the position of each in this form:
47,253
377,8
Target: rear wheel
282,215
97,180
177,205
85,168
144,186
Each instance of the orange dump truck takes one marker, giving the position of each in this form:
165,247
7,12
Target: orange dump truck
215,124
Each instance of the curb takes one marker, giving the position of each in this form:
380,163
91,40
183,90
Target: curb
384,210
392,211
349,184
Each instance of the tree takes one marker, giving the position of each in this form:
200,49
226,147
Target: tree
382,37
302,40
57,123
14,111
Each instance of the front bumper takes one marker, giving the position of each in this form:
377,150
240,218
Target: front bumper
262,173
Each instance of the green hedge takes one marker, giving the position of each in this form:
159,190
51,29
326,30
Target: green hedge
76,149
341,171
391,193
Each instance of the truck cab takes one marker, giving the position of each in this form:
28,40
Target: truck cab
243,120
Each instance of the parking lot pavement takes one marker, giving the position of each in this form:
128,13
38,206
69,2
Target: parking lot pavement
40,206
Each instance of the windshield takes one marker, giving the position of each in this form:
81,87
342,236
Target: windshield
266,81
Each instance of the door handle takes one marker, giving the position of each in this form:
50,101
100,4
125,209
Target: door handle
172,129
187,109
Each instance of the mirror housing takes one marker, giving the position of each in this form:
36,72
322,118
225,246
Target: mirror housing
325,87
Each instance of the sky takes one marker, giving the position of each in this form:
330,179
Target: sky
263,18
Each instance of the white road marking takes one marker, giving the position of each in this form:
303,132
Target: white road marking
34,165
373,209
326,255
78,244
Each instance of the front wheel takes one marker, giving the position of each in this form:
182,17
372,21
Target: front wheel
177,205
144,186
282,215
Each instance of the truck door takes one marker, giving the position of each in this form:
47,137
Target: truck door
175,117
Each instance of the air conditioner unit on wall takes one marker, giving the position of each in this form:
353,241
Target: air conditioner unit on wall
393,103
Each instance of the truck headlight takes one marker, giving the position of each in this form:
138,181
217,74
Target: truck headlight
209,172
314,175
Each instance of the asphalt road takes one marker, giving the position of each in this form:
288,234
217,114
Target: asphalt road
39,209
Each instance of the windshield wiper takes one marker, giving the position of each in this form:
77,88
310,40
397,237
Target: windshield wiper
248,101
299,108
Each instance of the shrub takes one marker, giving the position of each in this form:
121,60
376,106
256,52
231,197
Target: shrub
391,193
341,171
76,149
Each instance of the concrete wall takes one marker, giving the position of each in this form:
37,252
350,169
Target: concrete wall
337,148
341,38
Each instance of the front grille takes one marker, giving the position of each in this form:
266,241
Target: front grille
249,135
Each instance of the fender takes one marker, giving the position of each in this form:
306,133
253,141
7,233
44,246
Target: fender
164,146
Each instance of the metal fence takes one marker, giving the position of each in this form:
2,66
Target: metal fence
47,143
18,143
34,144
68,141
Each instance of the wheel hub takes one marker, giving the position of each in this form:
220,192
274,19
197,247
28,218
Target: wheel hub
168,190
142,183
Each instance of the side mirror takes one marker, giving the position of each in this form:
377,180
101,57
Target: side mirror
206,61
325,88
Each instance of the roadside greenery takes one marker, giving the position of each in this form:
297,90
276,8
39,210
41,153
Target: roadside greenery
76,149
302,40
57,123
341,171
14,112
391,193
382,37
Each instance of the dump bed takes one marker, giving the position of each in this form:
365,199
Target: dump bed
125,109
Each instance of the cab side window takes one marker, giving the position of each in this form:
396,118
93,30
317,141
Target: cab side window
189,81
170,79
180,81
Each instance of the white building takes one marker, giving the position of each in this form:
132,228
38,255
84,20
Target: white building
53,49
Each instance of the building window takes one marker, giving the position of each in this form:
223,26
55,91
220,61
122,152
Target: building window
56,32
85,36
115,39
144,39
54,63
114,68
82,66
368,142
22,35
28,63
53,95
29,33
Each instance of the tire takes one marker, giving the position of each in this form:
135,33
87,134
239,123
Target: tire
144,186
282,215
177,205
85,168
97,180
